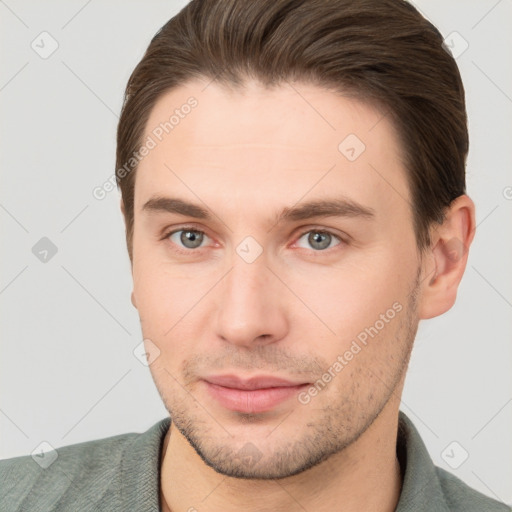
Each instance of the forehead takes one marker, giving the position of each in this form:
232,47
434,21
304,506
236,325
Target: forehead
283,142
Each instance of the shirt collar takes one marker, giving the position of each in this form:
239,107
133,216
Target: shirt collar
421,488
140,469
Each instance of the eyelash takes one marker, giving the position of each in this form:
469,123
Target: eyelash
185,251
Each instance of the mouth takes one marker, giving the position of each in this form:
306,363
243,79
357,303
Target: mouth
254,395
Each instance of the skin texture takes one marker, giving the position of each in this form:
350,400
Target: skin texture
244,156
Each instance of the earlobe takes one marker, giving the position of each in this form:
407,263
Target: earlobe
447,259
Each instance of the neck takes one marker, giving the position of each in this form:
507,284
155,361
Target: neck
365,476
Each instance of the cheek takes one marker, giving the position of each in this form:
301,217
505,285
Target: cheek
366,307
170,302
350,297
161,301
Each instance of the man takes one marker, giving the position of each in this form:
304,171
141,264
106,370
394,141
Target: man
292,179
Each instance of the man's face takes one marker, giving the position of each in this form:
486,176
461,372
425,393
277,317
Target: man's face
323,301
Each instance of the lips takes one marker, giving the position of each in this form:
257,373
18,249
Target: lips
254,395
258,382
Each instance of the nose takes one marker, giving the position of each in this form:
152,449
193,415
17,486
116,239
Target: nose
251,308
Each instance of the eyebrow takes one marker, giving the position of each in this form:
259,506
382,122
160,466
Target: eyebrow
339,207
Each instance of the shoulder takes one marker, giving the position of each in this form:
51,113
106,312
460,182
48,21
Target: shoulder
427,487
45,477
462,498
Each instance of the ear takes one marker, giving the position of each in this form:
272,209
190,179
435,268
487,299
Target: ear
445,262
123,211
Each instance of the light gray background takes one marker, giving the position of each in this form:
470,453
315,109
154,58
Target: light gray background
68,372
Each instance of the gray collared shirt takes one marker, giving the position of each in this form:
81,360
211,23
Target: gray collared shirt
123,473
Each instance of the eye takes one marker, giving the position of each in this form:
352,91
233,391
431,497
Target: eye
187,238
319,240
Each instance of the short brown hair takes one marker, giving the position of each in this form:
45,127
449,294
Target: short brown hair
381,51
